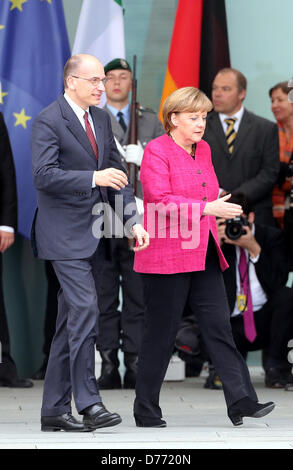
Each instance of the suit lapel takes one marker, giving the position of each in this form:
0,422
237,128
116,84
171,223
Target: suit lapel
217,131
243,130
74,126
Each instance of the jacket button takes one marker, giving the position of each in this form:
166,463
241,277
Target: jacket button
204,198
204,184
198,172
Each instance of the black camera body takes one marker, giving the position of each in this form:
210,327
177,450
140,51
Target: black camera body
234,227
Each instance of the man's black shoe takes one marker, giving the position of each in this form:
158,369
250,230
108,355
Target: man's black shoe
213,381
65,422
278,377
96,416
15,382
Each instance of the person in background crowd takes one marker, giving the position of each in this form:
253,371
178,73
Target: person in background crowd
122,329
256,284
282,107
244,146
184,260
8,225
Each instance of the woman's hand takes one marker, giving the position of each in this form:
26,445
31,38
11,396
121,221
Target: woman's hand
221,208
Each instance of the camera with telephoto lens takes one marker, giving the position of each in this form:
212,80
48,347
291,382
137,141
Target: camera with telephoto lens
234,227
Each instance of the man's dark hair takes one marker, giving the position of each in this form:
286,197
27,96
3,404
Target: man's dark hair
71,67
241,79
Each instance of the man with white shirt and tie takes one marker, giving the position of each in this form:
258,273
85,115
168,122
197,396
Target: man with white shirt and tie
244,146
76,168
261,305
122,329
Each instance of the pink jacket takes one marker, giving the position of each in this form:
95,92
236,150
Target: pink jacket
176,188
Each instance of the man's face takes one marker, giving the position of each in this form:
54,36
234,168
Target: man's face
81,84
118,85
226,97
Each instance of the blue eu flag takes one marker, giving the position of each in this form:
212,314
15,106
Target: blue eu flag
34,47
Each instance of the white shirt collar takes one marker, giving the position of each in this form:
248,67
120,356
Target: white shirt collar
237,116
76,108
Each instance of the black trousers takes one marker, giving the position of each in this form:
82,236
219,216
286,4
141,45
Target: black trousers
166,296
274,327
7,365
125,326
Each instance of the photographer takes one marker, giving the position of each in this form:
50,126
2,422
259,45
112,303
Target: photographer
260,304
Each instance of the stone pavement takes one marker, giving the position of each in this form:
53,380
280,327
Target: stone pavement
196,419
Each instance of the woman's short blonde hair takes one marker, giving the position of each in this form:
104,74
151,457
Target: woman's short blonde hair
184,100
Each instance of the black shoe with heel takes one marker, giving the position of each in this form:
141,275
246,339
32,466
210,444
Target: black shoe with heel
248,408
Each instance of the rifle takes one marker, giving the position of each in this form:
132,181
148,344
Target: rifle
132,168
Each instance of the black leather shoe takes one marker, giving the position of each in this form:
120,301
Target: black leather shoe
15,382
248,408
110,378
96,416
145,422
65,422
213,381
278,377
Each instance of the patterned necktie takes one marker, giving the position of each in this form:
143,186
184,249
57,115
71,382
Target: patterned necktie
230,134
121,121
90,134
248,317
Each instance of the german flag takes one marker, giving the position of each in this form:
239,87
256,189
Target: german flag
199,46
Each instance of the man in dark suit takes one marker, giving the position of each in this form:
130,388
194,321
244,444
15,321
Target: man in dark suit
77,172
272,302
244,146
123,329
8,225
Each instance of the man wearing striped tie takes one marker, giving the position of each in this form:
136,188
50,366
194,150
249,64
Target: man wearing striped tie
244,146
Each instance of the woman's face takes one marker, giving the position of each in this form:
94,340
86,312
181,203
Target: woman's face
190,127
281,106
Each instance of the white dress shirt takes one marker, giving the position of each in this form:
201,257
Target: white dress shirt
237,116
258,295
80,114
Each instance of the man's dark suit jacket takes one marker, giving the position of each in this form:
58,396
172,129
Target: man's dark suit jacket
253,167
8,196
271,267
8,217
63,165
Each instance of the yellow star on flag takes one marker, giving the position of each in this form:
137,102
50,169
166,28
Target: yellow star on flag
2,93
2,26
17,4
21,118
49,1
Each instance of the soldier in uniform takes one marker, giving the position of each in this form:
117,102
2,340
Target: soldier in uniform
122,329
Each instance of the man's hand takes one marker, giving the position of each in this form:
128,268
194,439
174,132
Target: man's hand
246,241
142,237
134,153
6,240
112,178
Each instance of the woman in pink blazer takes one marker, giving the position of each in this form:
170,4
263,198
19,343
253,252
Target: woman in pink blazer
184,260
